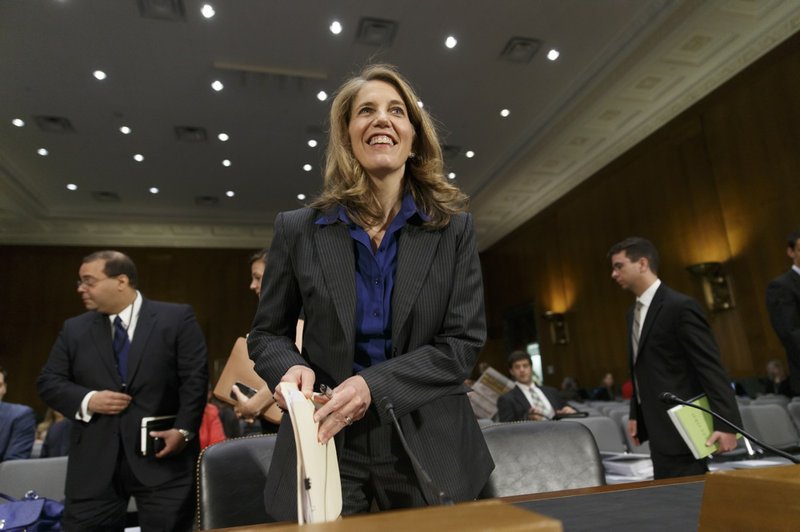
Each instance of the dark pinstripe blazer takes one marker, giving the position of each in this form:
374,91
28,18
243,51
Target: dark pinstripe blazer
438,330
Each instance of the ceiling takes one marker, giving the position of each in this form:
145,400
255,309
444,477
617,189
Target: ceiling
625,68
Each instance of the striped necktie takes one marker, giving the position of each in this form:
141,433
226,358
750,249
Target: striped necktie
637,327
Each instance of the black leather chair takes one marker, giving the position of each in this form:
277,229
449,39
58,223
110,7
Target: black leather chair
539,456
230,482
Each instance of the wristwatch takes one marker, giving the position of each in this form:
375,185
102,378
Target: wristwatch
187,436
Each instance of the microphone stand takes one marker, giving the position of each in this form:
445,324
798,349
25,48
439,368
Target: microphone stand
671,398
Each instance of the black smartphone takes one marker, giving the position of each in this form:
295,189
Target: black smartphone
249,391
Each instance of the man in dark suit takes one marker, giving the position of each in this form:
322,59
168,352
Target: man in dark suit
783,304
125,359
671,349
17,426
528,401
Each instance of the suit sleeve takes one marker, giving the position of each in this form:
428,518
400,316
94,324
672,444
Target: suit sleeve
440,367
784,314
55,383
271,341
696,339
23,432
505,408
192,357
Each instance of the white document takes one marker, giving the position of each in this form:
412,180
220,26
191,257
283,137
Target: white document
319,488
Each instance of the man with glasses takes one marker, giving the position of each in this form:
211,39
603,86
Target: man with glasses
126,359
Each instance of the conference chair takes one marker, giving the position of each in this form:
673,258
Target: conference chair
230,482
540,456
771,424
771,398
794,412
606,432
46,476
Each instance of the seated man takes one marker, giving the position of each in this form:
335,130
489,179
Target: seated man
17,426
527,401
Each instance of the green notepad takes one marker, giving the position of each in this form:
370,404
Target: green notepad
695,426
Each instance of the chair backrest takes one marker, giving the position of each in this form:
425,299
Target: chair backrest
771,398
607,433
230,482
794,412
539,456
47,476
771,424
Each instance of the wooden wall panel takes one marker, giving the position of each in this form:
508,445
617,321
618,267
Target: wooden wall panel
718,183
39,294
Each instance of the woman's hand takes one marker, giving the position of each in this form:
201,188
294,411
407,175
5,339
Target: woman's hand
303,376
249,408
349,403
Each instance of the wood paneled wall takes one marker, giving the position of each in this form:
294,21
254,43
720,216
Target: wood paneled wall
39,293
720,182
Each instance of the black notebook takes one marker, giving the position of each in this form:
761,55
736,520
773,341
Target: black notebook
148,445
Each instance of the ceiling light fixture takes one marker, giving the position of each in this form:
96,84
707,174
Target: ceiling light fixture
217,85
42,151
223,137
153,190
312,143
470,154
138,157
72,186
301,197
322,96
125,130
504,113
226,162
99,74
451,175
230,193
450,42
208,11
307,167
553,54
18,122
335,27
420,104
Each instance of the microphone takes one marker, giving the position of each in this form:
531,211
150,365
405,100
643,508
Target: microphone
672,399
422,475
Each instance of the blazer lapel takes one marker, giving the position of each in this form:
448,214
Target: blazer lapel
101,336
652,313
416,249
144,326
335,252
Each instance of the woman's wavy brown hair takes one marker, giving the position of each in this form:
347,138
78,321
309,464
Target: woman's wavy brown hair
347,184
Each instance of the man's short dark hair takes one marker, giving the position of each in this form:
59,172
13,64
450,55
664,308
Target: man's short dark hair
791,240
635,248
117,263
516,356
260,255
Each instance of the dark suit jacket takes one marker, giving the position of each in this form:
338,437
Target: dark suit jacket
678,354
56,442
167,374
438,329
783,304
17,431
514,406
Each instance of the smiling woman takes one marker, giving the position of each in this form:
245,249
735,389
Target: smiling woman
384,265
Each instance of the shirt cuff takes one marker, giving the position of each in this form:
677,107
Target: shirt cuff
84,414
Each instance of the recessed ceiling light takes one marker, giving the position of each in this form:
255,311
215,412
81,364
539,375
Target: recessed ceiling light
207,11
322,96
420,104
99,74
504,113
451,175
72,186
226,162
470,154
138,157
553,54
450,42
153,190
217,85
335,27
125,130
223,137
230,193
301,197
312,143
307,167
18,122
42,151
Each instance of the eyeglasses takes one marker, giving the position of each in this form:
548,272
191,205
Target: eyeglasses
90,282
